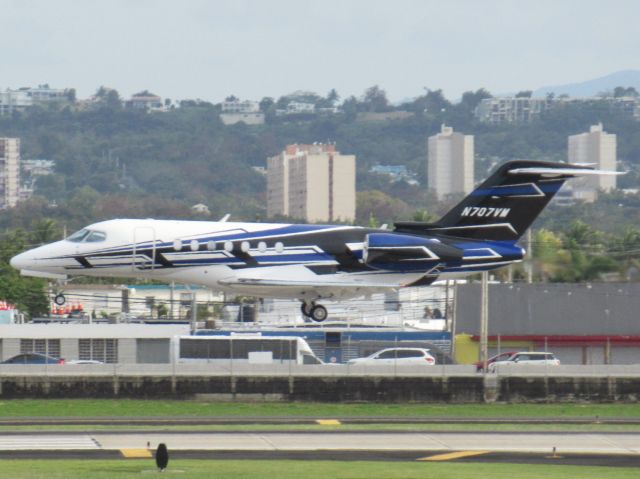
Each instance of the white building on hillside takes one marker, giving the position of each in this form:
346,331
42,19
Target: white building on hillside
595,147
450,163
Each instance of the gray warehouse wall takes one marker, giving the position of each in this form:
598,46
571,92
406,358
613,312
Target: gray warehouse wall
552,309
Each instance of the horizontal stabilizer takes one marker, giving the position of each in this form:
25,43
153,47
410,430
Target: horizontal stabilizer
556,172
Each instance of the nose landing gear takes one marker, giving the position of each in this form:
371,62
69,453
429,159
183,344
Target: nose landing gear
316,312
59,299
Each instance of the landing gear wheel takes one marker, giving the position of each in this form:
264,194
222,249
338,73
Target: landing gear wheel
319,313
306,309
60,299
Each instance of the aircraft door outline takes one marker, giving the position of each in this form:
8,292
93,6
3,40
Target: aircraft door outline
136,234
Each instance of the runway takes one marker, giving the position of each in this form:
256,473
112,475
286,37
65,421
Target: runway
620,449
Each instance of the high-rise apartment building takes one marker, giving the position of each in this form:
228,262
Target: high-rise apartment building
312,182
9,172
595,147
450,163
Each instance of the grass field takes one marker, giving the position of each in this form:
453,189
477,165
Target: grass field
150,408
188,469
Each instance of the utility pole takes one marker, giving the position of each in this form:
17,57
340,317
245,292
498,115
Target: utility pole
484,320
194,312
171,290
529,262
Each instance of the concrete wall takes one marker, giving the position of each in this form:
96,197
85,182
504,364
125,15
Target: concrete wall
389,389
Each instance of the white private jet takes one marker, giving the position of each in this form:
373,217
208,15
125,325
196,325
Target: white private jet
315,262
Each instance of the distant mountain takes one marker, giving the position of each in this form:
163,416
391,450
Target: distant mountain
625,78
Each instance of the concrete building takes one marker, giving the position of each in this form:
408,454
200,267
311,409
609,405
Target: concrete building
108,343
14,101
597,147
9,172
147,102
312,182
44,94
236,111
450,163
512,109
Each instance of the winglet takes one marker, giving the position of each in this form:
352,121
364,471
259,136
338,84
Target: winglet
224,218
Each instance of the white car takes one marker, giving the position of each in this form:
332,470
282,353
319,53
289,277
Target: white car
398,357
526,358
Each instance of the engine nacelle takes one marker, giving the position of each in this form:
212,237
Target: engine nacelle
400,252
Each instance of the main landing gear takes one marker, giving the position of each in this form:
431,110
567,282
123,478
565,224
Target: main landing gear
316,312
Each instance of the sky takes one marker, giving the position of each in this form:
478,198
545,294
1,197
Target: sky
210,49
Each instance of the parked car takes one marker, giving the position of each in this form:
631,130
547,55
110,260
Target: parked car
33,358
498,357
397,356
527,358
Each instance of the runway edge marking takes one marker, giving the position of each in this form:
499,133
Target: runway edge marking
136,453
328,422
452,455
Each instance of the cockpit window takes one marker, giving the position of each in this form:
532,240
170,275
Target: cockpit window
78,236
95,237
87,236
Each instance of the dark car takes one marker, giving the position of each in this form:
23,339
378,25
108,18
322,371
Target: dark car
498,357
33,358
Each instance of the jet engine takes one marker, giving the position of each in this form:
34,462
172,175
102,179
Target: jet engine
405,253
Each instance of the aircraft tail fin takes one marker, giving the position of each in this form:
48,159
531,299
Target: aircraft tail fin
506,203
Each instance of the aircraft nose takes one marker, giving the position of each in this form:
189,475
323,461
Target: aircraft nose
21,261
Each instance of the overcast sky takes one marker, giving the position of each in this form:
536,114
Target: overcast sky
255,48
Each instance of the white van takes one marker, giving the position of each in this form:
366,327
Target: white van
251,348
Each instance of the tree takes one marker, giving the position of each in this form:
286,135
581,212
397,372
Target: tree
266,104
524,94
70,94
435,101
333,97
381,206
26,293
350,107
45,231
470,99
621,91
423,216
375,99
113,101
